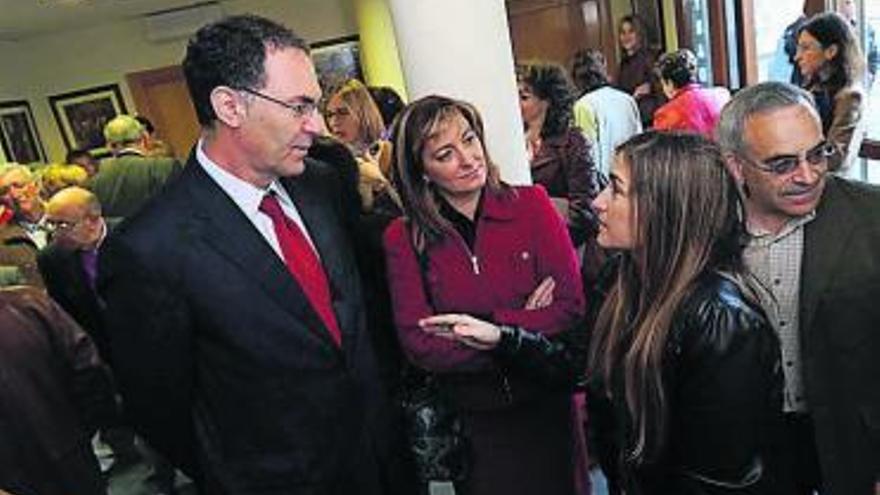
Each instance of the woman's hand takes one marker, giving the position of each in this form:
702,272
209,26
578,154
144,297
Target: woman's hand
466,329
641,90
542,296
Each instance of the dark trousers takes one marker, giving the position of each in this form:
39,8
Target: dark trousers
794,463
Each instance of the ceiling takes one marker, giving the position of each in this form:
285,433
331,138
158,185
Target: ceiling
22,19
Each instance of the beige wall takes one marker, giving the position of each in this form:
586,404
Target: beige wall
90,57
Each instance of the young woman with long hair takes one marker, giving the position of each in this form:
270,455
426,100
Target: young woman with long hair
682,357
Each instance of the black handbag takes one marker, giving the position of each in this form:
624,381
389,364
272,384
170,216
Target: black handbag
434,430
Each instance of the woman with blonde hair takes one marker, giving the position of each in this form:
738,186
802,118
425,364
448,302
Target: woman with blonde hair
354,119
684,366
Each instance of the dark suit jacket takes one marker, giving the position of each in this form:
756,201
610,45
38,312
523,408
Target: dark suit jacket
125,183
223,364
67,283
840,334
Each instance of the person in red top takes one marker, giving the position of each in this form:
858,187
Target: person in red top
691,107
475,267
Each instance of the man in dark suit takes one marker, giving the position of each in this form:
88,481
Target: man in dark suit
233,302
814,244
69,263
69,266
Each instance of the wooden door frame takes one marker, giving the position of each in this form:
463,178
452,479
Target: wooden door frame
717,37
138,81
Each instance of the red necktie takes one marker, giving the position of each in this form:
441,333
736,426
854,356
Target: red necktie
303,264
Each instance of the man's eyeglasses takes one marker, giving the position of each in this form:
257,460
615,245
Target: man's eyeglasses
55,226
817,157
303,109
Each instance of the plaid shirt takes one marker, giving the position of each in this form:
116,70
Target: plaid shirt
775,259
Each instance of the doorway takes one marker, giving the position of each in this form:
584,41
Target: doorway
162,96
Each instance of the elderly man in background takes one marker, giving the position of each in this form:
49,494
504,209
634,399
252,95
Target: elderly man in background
21,235
814,240
69,266
127,180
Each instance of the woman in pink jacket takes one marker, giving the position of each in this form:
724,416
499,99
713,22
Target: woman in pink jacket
479,271
691,107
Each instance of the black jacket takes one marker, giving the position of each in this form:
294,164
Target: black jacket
224,366
723,385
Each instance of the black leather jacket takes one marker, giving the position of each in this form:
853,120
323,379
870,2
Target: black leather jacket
723,382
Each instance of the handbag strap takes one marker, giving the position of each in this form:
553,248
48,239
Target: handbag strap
422,258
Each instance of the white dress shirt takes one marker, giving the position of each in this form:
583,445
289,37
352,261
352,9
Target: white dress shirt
248,197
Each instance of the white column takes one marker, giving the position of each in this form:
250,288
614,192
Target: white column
461,48
379,45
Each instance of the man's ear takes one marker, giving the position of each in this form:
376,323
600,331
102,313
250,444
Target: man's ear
734,167
228,106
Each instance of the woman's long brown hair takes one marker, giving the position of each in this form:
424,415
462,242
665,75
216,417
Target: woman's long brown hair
688,221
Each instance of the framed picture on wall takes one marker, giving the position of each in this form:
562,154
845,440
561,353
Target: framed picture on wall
81,116
336,61
18,133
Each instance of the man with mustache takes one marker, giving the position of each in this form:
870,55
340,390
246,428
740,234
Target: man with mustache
814,240
233,303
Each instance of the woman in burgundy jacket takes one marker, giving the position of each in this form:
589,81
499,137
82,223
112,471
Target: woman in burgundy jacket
474,251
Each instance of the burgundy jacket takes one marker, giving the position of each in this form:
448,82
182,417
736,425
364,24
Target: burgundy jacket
694,109
564,166
521,239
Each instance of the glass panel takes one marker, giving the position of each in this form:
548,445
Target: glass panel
697,13
871,15
770,22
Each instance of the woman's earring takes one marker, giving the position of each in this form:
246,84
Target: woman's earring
426,179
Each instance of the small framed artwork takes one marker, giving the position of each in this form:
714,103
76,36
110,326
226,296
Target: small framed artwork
18,133
336,61
81,116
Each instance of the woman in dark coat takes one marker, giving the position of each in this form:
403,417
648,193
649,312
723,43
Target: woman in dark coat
636,72
684,365
559,154
472,250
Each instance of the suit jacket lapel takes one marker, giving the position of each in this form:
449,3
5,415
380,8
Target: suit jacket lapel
824,241
227,230
316,216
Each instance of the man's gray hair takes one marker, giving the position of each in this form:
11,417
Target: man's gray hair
762,97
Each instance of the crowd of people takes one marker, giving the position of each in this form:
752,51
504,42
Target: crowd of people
345,297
